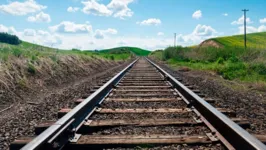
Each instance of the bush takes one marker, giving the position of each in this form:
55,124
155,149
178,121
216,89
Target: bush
33,58
112,57
31,69
220,60
259,68
17,52
174,52
233,59
9,39
233,70
53,58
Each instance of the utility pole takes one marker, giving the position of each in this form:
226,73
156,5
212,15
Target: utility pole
245,27
174,39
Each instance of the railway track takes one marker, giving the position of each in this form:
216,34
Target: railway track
143,107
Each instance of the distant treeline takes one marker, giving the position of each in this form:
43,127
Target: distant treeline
10,39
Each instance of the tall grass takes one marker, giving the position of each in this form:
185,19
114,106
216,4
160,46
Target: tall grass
231,63
254,40
33,52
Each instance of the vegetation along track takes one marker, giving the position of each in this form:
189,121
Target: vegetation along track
143,107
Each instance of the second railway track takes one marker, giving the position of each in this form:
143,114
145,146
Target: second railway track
143,107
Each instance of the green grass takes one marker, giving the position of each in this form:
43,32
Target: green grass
135,50
232,61
228,69
158,54
33,52
254,40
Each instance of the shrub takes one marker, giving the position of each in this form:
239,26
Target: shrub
112,57
174,52
233,59
31,69
220,60
259,68
9,39
53,58
233,70
33,58
17,52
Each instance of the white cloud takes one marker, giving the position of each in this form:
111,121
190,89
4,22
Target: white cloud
160,33
240,21
179,38
79,47
263,20
111,31
21,8
87,41
251,29
225,14
41,17
34,36
71,27
93,7
29,32
91,43
3,28
43,33
72,9
100,34
151,21
117,8
96,40
44,38
199,34
122,43
203,30
262,28
197,14
120,8
10,30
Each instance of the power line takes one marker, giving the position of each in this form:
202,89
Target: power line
245,27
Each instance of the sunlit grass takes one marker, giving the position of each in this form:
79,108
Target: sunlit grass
254,40
231,61
33,52
135,50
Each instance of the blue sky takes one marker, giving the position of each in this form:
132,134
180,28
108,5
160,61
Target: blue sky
149,24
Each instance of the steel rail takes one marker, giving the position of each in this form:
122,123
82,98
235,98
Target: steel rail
65,127
236,136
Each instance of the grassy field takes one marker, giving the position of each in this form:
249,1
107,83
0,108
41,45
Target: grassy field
254,40
33,52
233,61
135,50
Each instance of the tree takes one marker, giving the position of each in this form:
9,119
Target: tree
10,39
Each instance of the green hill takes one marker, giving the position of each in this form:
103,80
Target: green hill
254,40
11,46
33,51
135,50
224,55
